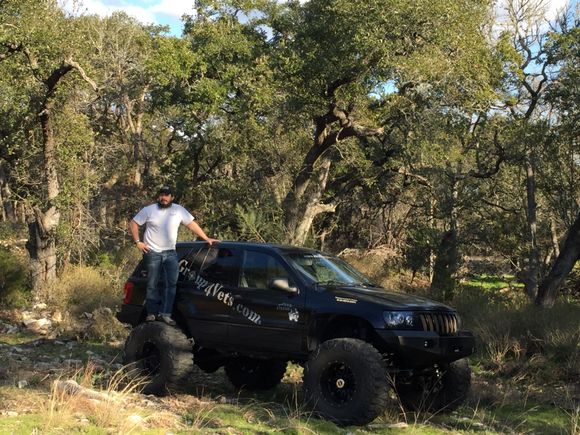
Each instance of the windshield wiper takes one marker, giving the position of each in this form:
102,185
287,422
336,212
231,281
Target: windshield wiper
332,282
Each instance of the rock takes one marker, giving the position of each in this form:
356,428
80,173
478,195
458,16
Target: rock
90,352
57,317
10,413
12,330
40,306
72,362
44,323
135,419
25,315
60,343
40,326
44,366
38,342
23,383
72,388
87,315
27,322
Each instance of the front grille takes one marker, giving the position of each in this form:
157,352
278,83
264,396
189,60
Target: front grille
442,323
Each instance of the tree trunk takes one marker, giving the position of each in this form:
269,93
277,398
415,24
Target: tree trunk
6,209
568,257
554,234
302,204
447,260
445,267
312,205
532,271
42,251
41,245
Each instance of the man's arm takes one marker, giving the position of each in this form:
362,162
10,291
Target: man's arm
196,229
134,228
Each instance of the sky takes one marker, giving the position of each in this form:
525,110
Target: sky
169,12
166,12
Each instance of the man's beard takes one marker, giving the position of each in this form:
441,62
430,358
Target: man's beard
161,205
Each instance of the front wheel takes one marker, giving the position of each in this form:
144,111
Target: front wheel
345,381
437,390
159,354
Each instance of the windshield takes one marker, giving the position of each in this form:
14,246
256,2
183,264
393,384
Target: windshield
323,269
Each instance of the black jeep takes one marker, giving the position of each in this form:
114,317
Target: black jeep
253,307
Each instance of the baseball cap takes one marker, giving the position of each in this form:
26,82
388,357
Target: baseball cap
166,190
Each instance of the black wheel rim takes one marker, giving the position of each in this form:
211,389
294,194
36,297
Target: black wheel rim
338,383
150,359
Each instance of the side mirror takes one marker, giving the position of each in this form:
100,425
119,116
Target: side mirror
283,284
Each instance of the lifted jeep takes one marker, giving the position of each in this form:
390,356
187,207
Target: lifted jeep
252,307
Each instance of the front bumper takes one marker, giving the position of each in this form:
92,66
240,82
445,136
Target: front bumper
420,348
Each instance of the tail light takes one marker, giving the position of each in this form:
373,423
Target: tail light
128,289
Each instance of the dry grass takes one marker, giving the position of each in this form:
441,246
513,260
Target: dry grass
82,289
114,407
68,406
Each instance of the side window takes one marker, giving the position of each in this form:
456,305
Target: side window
259,269
191,260
215,265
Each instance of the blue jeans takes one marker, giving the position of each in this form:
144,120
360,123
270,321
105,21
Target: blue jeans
165,264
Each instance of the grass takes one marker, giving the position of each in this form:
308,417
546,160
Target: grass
526,375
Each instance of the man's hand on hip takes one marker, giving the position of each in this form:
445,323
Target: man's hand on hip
143,247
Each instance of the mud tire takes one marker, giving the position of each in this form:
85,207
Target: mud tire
345,381
161,355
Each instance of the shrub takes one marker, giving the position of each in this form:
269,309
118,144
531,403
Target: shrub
14,282
510,329
82,289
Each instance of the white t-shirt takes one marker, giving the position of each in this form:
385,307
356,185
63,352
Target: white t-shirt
162,225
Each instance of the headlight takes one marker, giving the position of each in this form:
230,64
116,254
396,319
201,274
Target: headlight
395,319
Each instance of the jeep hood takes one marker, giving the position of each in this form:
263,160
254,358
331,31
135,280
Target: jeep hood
387,298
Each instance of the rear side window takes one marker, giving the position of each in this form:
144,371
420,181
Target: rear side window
213,264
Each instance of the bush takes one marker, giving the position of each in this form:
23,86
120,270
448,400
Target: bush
14,282
515,334
81,289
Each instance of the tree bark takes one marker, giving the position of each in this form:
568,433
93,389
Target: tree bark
568,257
445,267
532,271
42,224
6,207
302,202
313,206
447,260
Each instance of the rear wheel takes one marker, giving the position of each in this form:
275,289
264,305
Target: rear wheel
160,354
438,390
255,374
345,381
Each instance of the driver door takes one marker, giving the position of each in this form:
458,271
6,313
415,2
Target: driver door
282,320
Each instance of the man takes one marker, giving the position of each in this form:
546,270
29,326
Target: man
162,222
